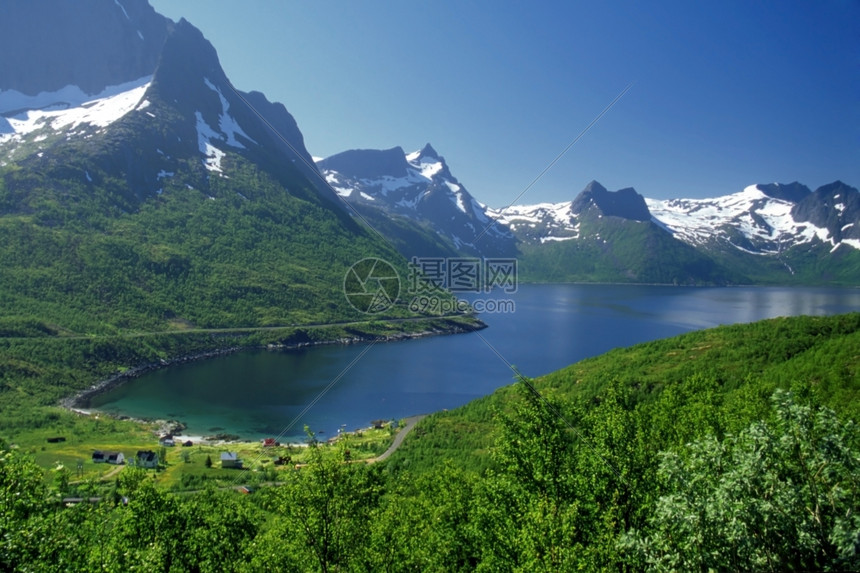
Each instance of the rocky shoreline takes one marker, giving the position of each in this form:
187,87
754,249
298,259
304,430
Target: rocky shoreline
81,399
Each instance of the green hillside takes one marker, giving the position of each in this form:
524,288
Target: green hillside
612,249
675,455
726,374
243,251
800,265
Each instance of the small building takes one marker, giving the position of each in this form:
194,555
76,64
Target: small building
230,460
187,444
99,457
166,441
146,459
115,458
269,443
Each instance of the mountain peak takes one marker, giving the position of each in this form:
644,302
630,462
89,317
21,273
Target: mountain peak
368,163
91,44
836,186
187,57
625,203
428,151
594,187
793,192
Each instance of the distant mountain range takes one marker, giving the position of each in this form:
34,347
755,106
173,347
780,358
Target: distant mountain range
140,191
767,233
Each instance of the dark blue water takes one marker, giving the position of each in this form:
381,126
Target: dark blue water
261,393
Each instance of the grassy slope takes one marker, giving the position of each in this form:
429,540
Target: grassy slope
731,369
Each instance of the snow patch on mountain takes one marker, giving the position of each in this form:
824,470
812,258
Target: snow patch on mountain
228,124
205,135
68,109
551,221
765,222
458,195
334,183
227,133
428,166
12,101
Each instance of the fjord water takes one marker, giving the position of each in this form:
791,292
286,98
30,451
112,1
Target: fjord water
261,393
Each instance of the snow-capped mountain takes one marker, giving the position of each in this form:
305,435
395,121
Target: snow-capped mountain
139,189
546,222
184,110
766,233
420,187
765,219
540,222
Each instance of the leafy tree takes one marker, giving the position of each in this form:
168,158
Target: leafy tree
780,496
324,511
23,499
527,516
219,528
423,524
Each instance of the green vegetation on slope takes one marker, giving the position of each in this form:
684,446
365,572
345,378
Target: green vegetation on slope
726,373
611,249
682,454
799,265
243,253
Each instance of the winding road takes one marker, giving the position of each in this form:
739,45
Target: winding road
398,439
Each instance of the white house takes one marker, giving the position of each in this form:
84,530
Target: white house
116,458
230,460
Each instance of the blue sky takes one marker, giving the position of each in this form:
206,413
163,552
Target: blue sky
724,94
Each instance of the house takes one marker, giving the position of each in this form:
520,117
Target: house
146,459
230,460
100,457
270,443
166,441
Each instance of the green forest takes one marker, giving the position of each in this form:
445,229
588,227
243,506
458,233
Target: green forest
734,448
